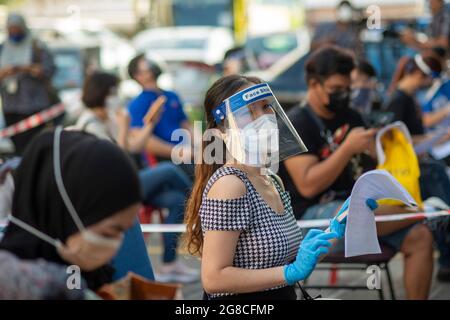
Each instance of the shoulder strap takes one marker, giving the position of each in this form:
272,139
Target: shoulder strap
88,122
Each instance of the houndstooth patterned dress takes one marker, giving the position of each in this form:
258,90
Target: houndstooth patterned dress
268,239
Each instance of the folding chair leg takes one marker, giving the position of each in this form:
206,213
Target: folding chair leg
391,285
380,291
380,294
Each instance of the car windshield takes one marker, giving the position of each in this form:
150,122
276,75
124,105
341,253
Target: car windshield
277,43
185,43
69,72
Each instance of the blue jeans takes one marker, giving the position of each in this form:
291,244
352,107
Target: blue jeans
434,182
166,186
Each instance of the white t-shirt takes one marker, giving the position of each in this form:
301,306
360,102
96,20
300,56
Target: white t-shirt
90,123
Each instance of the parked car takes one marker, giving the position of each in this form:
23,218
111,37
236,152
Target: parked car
264,50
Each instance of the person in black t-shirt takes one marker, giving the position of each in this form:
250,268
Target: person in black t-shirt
412,74
322,178
315,136
334,134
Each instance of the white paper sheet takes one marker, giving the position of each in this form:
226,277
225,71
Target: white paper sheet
361,232
427,145
441,151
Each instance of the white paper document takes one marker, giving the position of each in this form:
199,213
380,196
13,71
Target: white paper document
361,232
441,151
428,144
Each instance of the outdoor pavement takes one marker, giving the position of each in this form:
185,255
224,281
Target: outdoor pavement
439,291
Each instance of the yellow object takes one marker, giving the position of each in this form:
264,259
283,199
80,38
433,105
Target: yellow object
240,20
401,161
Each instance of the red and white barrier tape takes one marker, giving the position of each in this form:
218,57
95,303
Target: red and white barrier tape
32,121
304,224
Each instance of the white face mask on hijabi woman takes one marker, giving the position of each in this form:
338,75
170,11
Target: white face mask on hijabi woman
93,250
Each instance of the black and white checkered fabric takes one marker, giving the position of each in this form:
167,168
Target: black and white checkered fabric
268,239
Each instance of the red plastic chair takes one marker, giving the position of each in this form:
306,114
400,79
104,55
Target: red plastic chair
147,212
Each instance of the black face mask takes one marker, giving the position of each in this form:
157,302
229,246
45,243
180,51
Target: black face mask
339,101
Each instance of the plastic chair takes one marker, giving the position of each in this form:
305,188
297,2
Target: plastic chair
331,261
133,256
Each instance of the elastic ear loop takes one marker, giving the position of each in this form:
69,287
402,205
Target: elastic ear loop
57,171
54,242
59,181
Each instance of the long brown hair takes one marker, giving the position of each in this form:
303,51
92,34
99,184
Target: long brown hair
219,91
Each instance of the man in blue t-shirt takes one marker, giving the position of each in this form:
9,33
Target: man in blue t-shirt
172,117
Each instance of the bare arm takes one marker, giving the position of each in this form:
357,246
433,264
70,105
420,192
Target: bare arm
219,248
432,118
312,176
385,228
410,39
218,273
158,147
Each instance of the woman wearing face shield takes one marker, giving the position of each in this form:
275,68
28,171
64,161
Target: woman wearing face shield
239,218
75,196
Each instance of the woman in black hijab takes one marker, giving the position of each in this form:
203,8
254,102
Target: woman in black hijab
101,185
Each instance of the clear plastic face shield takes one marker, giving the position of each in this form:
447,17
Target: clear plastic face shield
257,131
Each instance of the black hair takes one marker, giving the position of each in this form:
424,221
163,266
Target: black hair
345,3
134,63
365,67
234,52
407,65
327,61
441,52
430,60
97,87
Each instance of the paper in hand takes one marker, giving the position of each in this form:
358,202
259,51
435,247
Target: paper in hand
361,232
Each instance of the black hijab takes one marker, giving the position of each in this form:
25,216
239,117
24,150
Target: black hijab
99,178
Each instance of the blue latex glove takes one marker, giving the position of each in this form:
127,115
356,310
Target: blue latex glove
311,248
339,228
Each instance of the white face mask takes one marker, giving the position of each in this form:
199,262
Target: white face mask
113,102
345,14
257,141
93,250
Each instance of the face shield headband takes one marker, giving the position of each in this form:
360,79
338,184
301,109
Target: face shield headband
257,130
